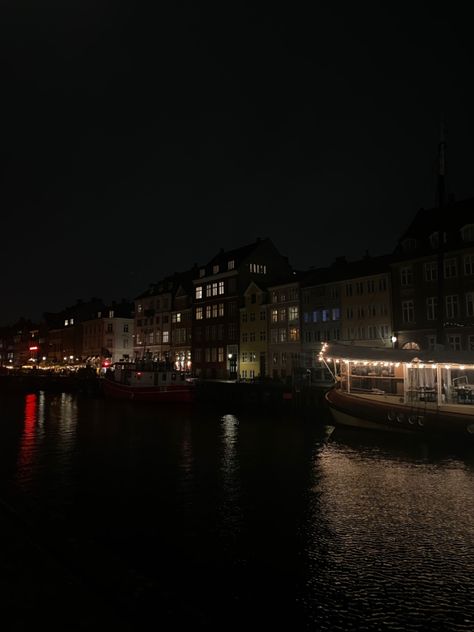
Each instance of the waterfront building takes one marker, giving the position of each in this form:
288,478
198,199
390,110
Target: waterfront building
108,337
218,295
20,344
153,322
321,313
181,321
366,302
284,326
6,346
253,333
433,279
64,340
163,320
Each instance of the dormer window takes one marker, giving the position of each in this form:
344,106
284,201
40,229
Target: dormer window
111,313
231,264
409,244
434,239
66,322
71,321
202,272
215,269
467,232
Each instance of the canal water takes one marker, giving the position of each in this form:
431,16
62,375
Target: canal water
134,517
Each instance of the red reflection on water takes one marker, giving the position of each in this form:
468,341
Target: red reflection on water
25,456
30,413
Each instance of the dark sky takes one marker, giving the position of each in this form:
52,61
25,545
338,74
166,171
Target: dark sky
136,143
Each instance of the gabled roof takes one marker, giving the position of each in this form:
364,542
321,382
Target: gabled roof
342,270
237,254
171,283
449,219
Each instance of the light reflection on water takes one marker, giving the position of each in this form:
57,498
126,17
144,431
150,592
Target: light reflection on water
263,517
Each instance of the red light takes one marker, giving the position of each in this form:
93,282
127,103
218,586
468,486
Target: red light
33,348
105,363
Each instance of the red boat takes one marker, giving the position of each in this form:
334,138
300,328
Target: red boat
148,382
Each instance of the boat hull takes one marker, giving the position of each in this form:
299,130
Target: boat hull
163,394
351,410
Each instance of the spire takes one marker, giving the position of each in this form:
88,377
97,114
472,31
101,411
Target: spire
442,165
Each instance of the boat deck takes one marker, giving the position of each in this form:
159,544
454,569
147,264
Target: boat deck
464,408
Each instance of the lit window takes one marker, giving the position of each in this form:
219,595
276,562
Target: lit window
293,313
221,287
111,314
208,311
199,291
294,334
230,264
166,336
198,313
221,309
66,322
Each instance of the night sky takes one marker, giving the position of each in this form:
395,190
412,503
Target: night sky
135,143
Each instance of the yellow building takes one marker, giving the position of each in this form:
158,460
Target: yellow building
253,333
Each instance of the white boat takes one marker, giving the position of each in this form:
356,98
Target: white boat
410,391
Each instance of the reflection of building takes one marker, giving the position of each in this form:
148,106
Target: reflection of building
218,295
433,279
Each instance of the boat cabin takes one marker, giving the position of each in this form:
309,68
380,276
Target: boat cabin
443,378
146,374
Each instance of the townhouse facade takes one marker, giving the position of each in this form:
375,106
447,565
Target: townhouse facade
219,294
284,324
366,303
254,333
109,337
433,280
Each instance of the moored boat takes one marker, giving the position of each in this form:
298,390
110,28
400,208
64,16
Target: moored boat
430,393
148,382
